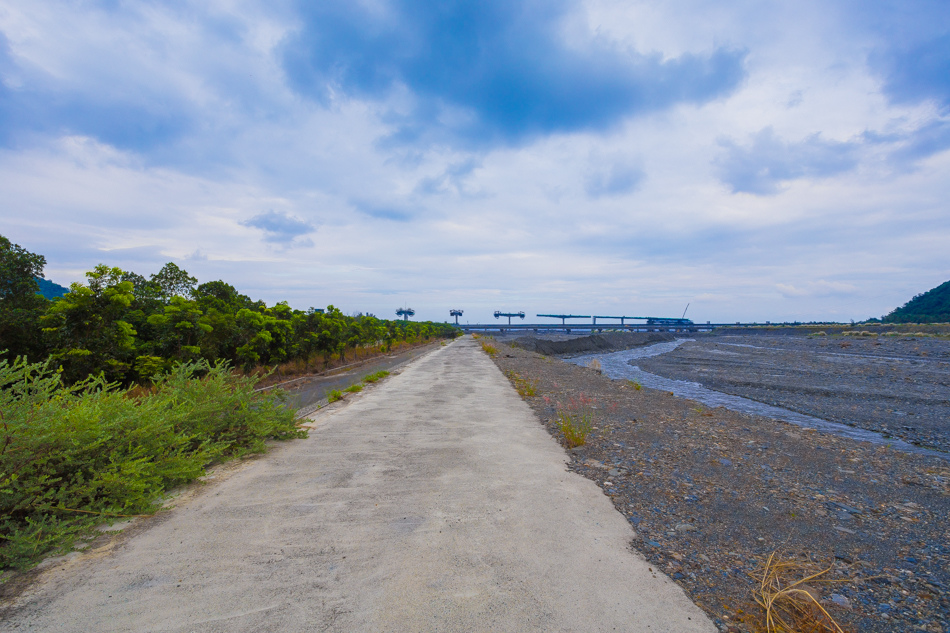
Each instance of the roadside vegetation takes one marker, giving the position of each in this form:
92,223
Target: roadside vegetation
126,386
72,456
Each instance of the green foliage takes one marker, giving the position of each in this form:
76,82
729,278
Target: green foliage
130,328
71,456
20,305
334,395
932,306
354,388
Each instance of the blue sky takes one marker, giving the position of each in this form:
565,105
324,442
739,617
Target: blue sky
759,161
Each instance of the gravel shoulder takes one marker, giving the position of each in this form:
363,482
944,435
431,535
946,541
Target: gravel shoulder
711,493
433,501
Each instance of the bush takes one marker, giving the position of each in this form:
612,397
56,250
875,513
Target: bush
71,457
334,395
354,389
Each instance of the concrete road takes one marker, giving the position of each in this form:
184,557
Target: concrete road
433,502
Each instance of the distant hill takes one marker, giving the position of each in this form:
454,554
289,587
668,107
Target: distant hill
931,307
49,289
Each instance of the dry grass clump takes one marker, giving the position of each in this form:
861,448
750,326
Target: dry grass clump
595,365
790,605
489,349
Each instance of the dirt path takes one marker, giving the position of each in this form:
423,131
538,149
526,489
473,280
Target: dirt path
434,502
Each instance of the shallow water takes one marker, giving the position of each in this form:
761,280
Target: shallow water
617,365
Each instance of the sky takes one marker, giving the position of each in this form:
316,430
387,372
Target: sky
783,161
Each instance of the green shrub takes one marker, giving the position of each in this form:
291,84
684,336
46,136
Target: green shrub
334,395
354,389
71,457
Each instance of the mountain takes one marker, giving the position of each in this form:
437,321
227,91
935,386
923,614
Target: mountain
49,289
931,307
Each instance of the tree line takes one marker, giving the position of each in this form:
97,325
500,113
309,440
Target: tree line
130,328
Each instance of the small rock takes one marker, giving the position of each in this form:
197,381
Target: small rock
840,600
614,472
685,527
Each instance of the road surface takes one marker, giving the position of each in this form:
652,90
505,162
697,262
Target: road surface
434,501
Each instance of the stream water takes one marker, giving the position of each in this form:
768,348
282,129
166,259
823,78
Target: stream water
618,365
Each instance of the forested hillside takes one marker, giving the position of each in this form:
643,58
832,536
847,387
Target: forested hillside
132,328
932,306
49,289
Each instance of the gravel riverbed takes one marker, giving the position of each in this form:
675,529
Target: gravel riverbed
897,386
712,492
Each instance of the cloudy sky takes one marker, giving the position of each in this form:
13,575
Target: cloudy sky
757,160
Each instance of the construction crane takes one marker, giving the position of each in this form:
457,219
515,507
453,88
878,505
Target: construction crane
456,313
509,315
565,316
405,313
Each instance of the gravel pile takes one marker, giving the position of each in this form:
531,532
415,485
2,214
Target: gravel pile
711,493
606,342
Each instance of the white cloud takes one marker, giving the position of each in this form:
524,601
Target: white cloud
632,220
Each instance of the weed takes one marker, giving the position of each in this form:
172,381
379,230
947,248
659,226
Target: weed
334,395
525,388
790,605
354,388
376,377
489,349
576,420
595,365
635,384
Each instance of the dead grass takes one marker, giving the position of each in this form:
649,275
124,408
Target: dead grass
595,365
789,603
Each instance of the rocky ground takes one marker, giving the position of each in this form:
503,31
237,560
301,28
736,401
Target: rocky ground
898,386
712,493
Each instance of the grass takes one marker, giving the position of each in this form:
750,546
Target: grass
74,457
635,384
789,605
489,349
371,378
595,365
334,395
575,420
525,388
354,388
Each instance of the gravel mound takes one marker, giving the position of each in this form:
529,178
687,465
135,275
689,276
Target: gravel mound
609,342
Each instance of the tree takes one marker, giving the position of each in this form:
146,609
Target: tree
172,281
89,328
20,305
